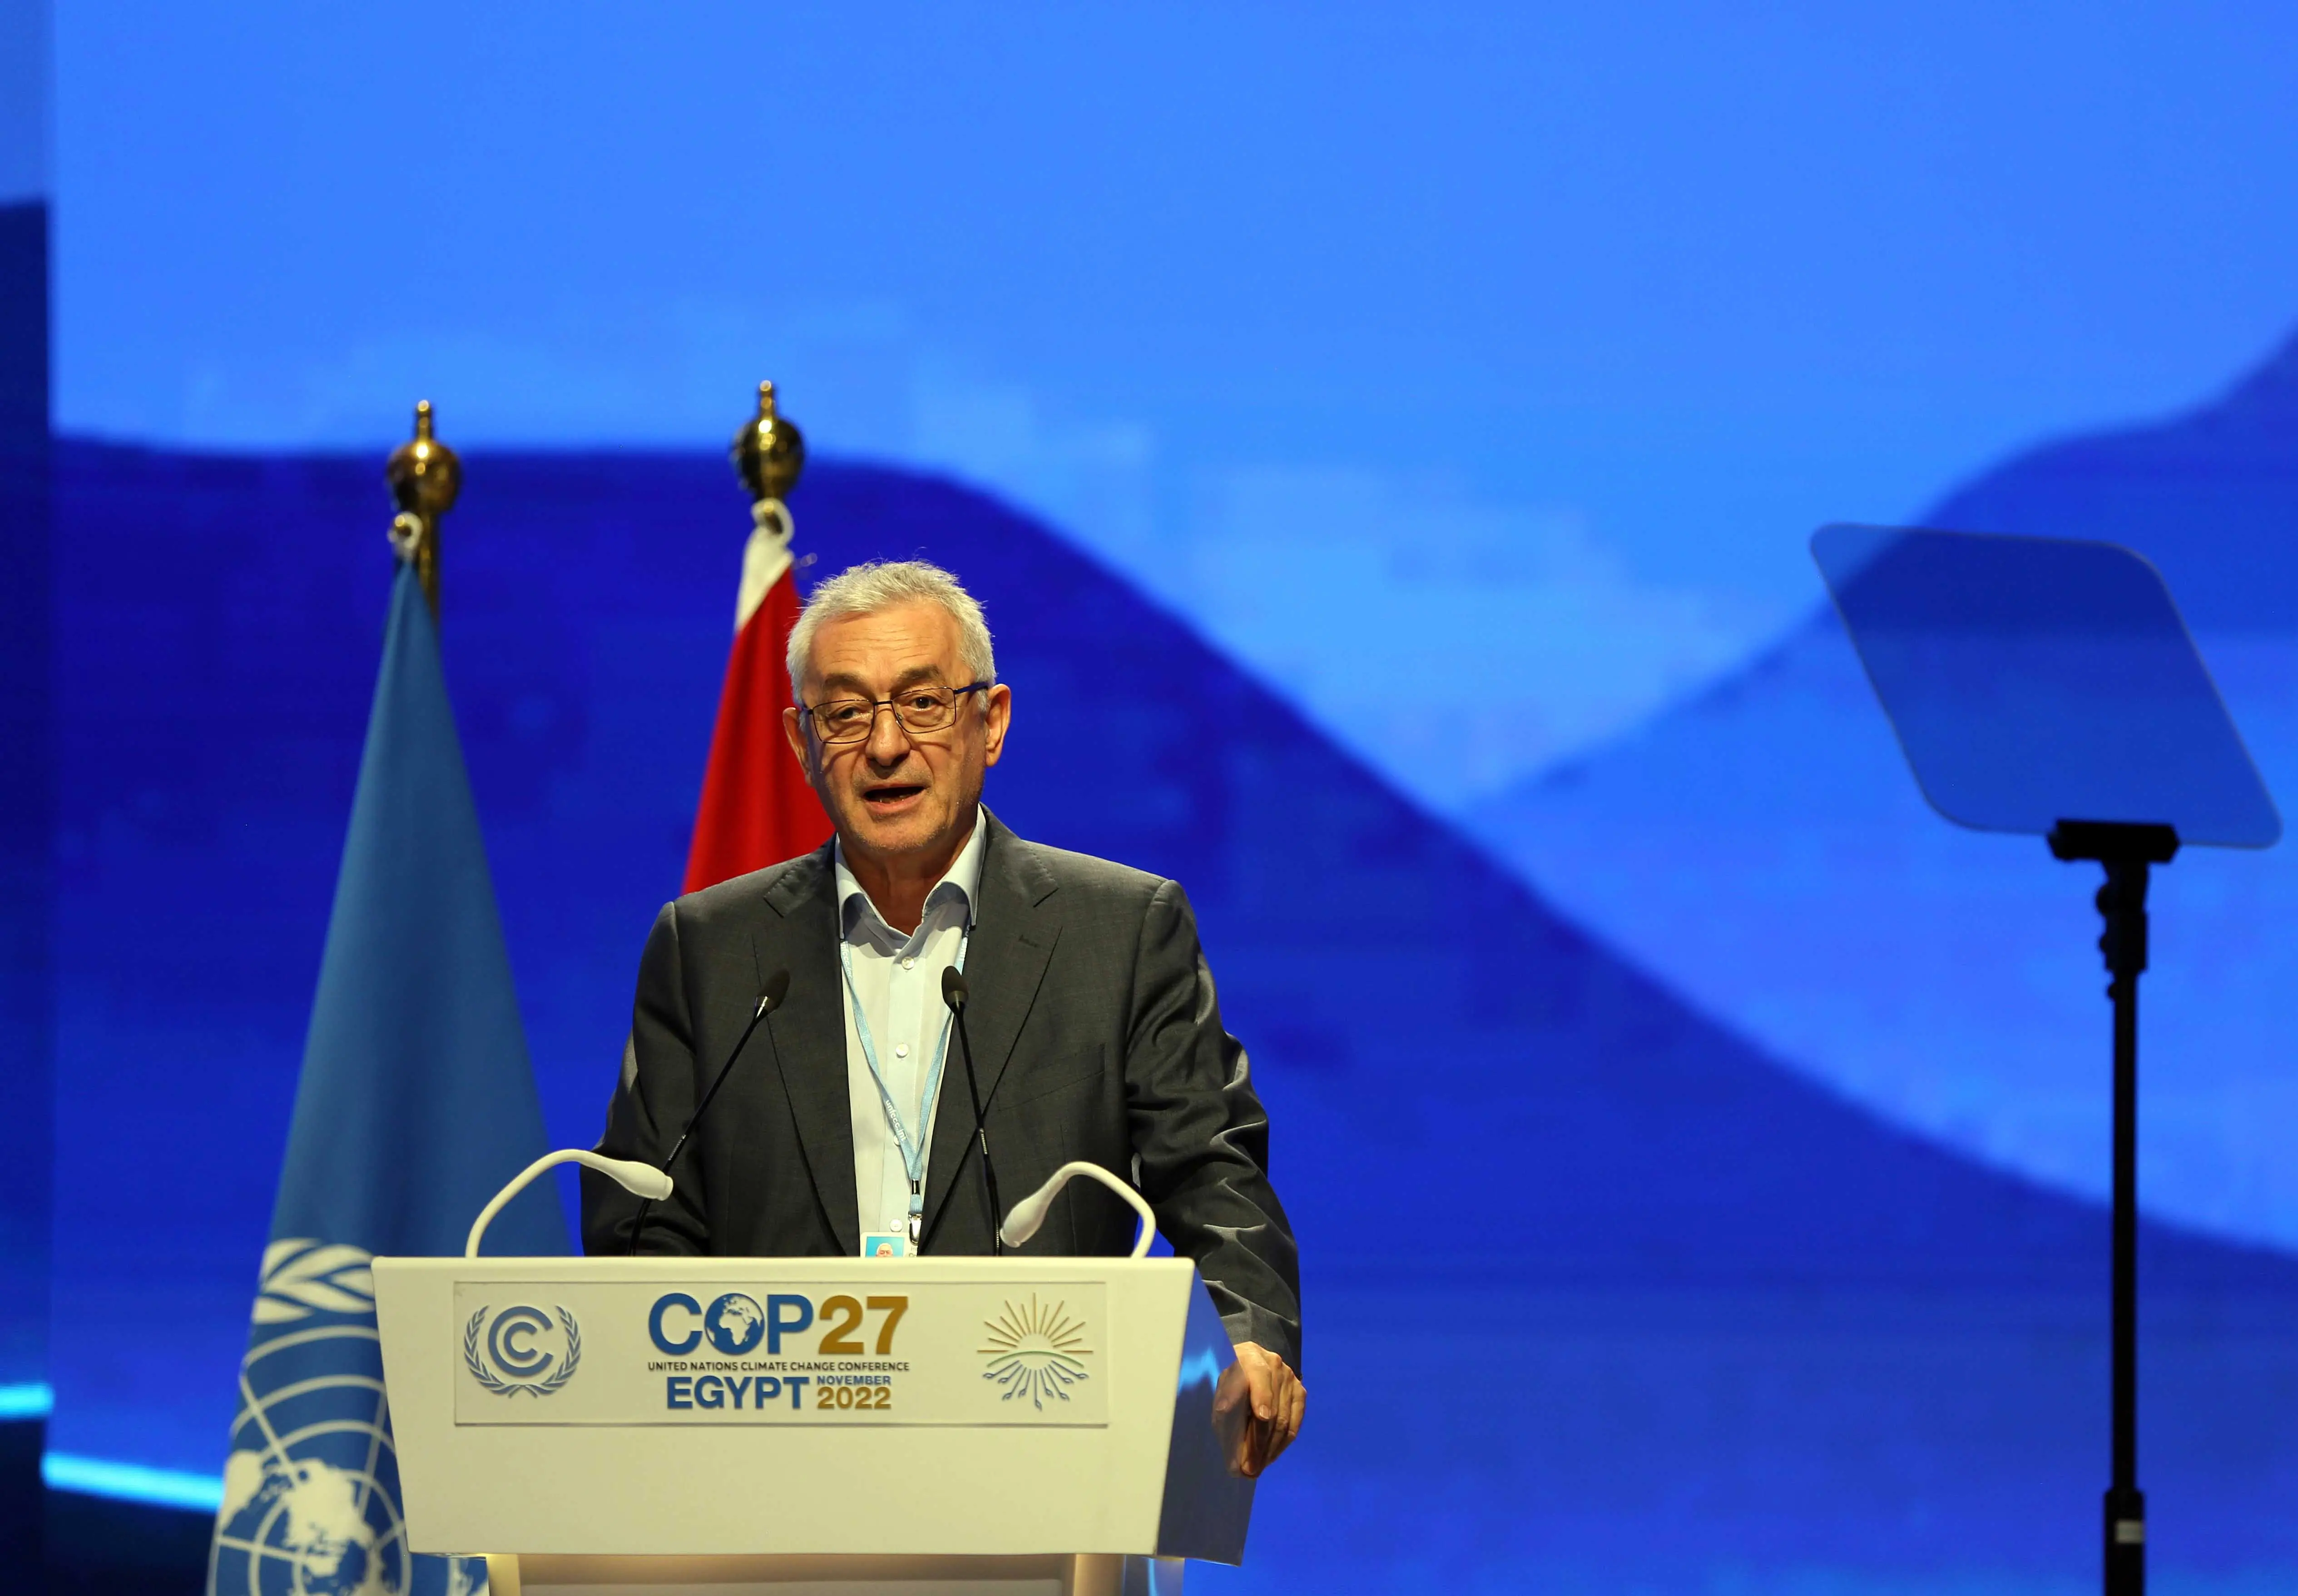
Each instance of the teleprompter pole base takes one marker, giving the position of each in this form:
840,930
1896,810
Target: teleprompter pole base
2126,1542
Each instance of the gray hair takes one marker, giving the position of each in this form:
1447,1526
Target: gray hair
876,585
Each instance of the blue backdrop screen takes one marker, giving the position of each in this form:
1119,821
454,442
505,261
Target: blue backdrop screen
1595,1288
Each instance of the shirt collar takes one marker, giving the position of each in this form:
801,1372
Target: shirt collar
961,883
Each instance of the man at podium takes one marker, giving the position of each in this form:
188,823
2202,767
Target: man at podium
847,1128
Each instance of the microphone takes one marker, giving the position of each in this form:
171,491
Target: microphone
640,1180
953,993
1029,1212
770,998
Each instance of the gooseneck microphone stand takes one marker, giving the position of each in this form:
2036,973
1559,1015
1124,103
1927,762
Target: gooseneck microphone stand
770,998
955,993
2127,852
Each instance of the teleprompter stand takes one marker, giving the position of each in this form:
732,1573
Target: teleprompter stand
2049,687
2127,852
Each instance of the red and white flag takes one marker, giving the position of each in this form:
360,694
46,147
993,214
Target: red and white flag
756,809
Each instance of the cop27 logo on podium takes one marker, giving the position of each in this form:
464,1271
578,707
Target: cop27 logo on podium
505,1355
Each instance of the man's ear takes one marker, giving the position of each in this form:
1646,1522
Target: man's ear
997,716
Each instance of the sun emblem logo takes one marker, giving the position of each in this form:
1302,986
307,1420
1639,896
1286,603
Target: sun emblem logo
1037,1351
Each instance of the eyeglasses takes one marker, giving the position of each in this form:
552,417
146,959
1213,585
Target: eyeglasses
915,709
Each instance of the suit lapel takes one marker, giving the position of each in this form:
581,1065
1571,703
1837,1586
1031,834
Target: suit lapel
1014,929
809,1035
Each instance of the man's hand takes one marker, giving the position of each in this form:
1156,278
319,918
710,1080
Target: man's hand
1258,1408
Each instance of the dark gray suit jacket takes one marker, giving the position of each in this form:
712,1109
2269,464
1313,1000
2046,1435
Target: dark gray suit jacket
1096,1034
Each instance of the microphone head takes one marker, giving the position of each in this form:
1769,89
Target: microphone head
639,1179
953,988
777,987
1025,1216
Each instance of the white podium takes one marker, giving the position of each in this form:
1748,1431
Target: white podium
711,1426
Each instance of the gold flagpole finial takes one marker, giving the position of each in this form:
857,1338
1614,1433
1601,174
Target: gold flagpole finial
425,476
769,451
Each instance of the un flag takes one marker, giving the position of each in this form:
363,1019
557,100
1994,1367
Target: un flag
415,1104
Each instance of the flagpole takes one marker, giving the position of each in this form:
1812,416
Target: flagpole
756,809
768,454
424,477
415,1102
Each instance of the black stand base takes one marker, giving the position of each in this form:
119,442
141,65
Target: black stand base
2126,1542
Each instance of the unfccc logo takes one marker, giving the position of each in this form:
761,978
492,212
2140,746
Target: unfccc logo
513,1353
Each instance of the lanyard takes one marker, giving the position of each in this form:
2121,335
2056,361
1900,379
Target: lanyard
912,1147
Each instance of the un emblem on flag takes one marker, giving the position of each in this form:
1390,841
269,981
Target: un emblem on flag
310,1491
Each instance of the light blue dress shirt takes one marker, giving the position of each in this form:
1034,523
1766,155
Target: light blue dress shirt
899,979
